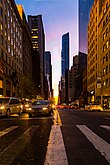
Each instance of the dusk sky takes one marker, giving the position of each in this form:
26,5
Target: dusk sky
59,17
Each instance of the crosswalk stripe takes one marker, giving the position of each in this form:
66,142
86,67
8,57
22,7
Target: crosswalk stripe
106,127
107,118
56,153
7,130
102,146
9,154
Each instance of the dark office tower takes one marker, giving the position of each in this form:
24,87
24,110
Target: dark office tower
65,54
38,42
48,73
65,66
84,11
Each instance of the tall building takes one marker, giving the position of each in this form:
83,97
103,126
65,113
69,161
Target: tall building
27,81
84,12
48,72
98,65
73,72
65,54
75,78
11,59
65,66
38,42
82,64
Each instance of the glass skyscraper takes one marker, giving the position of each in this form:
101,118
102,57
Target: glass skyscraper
65,54
65,66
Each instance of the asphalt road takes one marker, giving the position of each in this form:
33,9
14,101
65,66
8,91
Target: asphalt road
86,136
69,137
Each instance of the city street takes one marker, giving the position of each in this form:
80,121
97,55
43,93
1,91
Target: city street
74,137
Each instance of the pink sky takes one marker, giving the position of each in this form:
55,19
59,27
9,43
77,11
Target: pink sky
59,17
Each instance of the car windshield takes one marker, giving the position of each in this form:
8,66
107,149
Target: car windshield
42,102
4,100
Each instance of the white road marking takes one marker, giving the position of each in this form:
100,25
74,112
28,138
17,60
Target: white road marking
56,154
102,146
7,130
9,154
106,127
107,118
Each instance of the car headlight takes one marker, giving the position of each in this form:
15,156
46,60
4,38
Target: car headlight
21,106
44,108
27,105
29,109
2,107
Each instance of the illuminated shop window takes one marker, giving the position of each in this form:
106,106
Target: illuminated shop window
1,84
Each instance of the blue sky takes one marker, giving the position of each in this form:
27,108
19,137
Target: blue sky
59,17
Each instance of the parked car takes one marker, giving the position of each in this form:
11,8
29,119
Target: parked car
93,107
39,107
10,105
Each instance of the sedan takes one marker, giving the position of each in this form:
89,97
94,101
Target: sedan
39,107
10,105
93,107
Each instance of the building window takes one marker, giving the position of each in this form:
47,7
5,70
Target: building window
1,12
107,83
107,5
1,25
106,69
107,57
8,37
107,45
106,18
8,48
104,48
104,60
104,83
5,20
1,39
103,23
106,32
103,36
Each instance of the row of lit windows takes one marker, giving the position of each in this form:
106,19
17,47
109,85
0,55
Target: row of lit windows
15,35
105,58
105,21
105,46
106,7
105,34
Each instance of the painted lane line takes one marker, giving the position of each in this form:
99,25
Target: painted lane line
10,153
107,118
57,119
102,146
7,130
56,154
106,127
